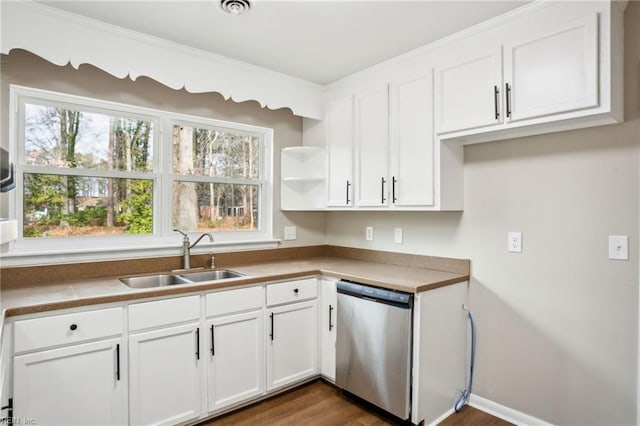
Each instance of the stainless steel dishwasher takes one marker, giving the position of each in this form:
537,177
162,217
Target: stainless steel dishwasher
373,346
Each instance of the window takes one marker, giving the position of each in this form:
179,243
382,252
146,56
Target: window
216,179
93,169
85,173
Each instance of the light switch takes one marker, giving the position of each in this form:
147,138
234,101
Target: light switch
290,233
618,247
514,242
368,233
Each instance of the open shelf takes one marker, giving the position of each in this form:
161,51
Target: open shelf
303,178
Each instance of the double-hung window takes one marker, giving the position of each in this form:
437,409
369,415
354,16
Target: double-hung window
96,172
216,183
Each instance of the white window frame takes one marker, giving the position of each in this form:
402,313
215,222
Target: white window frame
164,241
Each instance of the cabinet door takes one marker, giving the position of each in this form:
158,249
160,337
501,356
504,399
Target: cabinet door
328,321
553,71
372,136
412,141
292,343
74,385
236,359
340,151
467,88
164,375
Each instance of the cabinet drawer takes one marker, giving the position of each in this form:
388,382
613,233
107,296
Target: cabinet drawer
163,312
66,329
243,299
292,291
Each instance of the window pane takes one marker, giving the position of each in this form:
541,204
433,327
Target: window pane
215,152
76,139
62,206
215,207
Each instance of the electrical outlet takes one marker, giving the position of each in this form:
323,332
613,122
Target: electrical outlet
368,233
514,242
397,235
618,247
290,233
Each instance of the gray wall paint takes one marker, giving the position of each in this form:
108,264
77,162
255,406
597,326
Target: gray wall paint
557,324
22,68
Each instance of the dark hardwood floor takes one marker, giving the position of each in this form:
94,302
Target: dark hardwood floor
319,403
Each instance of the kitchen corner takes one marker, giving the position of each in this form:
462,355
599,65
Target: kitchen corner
279,314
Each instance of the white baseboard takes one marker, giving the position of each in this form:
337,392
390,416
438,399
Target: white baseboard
509,414
441,418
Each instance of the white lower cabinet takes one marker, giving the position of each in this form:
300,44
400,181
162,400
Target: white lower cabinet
235,347
178,363
292,345
70,369
165,363
75,385
165,375
327,327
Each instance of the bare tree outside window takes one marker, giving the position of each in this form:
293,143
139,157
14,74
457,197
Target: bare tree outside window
226,193
57,202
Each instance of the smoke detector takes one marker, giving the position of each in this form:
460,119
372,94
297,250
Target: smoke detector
235,7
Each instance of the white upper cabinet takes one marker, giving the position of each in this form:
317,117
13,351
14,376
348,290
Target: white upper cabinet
549,67
340,141
372,148
467,87
412,142
395,132
552,71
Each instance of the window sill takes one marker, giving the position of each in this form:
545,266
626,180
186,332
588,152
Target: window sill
13,255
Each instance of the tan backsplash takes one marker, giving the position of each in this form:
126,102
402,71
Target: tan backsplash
31,275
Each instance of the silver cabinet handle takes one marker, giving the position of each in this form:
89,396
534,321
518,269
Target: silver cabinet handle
382,194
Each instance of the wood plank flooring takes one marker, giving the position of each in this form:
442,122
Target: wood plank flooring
322,404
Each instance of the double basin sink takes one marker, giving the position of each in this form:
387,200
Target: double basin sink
161,280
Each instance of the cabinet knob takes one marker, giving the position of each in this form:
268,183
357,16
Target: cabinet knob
295,290
73,326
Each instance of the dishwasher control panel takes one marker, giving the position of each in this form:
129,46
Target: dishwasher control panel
375,293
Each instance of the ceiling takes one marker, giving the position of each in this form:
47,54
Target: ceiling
319,41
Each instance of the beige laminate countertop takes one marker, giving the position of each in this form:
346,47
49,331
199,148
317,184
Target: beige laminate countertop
32,298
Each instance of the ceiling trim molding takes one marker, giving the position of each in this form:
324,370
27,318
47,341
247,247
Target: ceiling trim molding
64,38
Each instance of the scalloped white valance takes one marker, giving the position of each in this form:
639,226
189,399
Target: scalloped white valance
63,38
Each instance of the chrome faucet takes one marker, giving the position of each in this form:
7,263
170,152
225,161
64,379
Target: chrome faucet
187,246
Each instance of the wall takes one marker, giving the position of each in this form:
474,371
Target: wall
23,68
557,324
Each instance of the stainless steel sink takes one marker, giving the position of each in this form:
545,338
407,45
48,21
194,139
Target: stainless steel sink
219,274
154,281
161,280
